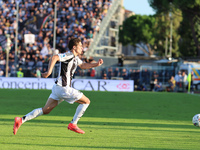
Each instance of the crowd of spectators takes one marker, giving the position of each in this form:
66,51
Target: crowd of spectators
177,83
144,79
151,80
75,18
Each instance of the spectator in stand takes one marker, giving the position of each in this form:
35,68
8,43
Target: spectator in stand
20,74
154,75
44,52
130,74
124,74
172,84
136,76
13,72
22,60
145,76
116,72
36,73
88,72
90,35
192,82
39,62
45,4
157,86
104,74
110,73
184,80
142,88
92,72
167,75
2,58
30,62
177,79
1,73
11,58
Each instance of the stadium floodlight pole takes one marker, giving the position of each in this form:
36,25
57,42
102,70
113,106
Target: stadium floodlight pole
170,46
171,32
54,33
166,46
8,47
16,34
54,36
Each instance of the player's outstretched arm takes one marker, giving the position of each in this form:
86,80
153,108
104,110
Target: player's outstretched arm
52,62
91,65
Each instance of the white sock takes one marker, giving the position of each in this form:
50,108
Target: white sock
79,112
33,114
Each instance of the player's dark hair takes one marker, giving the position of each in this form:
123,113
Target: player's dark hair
73,42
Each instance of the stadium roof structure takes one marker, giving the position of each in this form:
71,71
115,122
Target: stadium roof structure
166,61
105,42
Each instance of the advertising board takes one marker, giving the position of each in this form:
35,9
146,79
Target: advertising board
79,84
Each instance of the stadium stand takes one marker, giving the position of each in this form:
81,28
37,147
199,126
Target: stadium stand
75,18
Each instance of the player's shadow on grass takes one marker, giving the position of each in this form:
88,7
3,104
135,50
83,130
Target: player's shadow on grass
88,147
93,124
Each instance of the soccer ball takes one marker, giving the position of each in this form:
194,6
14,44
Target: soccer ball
196,120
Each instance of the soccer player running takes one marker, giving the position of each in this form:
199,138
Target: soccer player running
62,89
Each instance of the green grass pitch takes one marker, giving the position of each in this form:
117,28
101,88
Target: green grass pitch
114,120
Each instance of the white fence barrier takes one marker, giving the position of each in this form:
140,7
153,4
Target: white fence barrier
79,84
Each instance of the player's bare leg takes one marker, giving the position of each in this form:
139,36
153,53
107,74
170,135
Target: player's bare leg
50,104
83,105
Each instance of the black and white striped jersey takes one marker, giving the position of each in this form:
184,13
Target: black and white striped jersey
68,65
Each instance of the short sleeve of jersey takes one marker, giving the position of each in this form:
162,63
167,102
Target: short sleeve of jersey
65,56
79,61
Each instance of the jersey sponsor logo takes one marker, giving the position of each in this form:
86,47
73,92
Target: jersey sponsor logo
62,55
